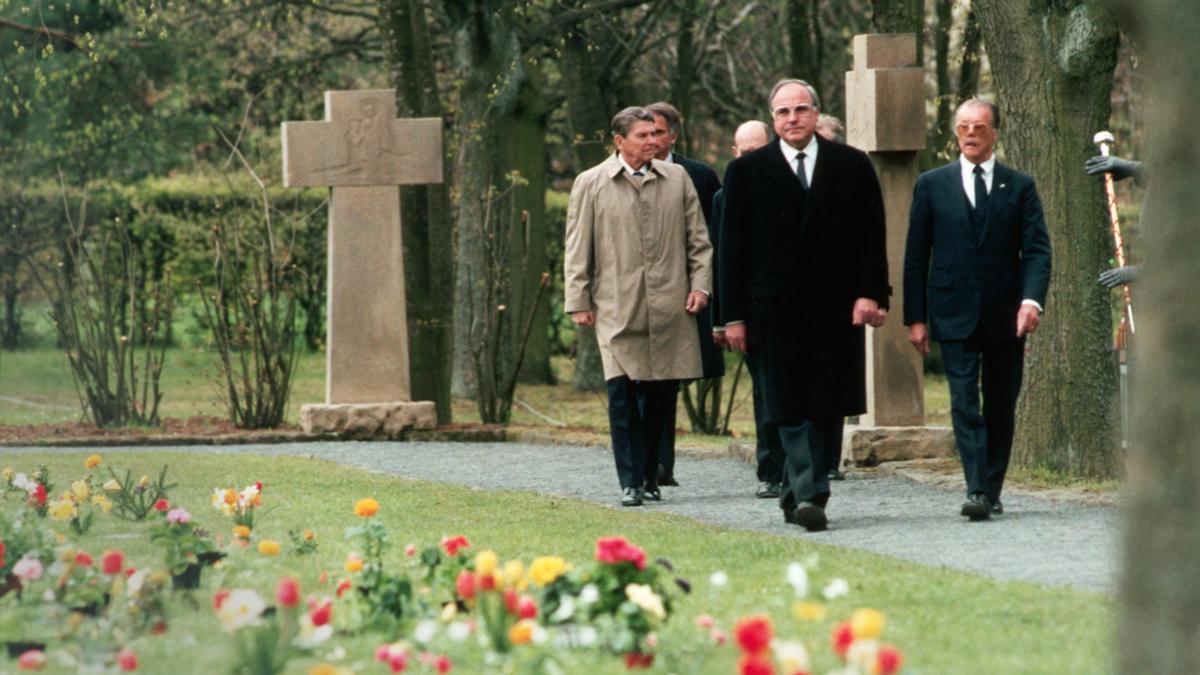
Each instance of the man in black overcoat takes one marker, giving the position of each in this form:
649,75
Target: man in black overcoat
802,270
976,272
668,122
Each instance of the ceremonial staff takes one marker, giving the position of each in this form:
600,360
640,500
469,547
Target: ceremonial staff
1104,140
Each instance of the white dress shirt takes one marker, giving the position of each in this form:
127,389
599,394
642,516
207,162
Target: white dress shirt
630,169
968,176
810,157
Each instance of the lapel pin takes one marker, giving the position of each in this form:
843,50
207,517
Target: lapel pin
1003,185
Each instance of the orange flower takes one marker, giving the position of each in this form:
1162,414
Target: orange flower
91,462
521,632
365,508
241,531
354,564
268,547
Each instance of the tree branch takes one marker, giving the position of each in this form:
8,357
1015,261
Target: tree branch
41,30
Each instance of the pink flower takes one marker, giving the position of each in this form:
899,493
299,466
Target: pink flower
718,637
410,550
34,659
615,550
442,664
176,516
112,562
127,660
527,608
705,621
29,569
453,544
287,593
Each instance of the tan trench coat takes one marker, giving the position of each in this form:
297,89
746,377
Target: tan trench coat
635,248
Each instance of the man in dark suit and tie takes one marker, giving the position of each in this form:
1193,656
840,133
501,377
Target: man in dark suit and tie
667,124
802,268
976,272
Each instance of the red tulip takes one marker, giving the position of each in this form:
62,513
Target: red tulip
755,664
83,559
527,608
287,593
112,562
888,660
127,660
321,613
162,505
753,634
842,636
465,585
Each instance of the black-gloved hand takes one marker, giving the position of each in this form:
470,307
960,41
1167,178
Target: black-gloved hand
1119,168
1117,276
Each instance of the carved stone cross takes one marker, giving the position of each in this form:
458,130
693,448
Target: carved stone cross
364,154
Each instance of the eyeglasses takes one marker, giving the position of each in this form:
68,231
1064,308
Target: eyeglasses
784,111
978,128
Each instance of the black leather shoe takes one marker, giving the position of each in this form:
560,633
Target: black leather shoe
631,497
652,493
666,478
834,474
811,517
977,507
767,490
789,516
997,508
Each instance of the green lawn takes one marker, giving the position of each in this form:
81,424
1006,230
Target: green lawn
945,621
36,387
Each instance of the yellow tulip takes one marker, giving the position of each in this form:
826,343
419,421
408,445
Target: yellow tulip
8,474
513,575
103,502
521,632
268,547
144,481
111,485
486,563
544,570
867,623
91,462
80,490
808,611
354,564
62,510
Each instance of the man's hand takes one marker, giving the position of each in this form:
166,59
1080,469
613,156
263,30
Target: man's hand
1028,319
1119,168
1117,276
736,337
696,301
918,335
584,318
718,338
867,311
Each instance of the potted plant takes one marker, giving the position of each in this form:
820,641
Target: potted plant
187,548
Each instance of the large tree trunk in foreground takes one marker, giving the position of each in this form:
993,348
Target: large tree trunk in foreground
1053,65
1159,618
424,211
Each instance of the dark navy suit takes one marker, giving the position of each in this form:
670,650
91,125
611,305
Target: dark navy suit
966,272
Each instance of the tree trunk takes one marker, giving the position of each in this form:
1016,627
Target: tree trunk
800,42
968,71
940,137
1160,587
1053,67
684,75
425,211
525,151
586,84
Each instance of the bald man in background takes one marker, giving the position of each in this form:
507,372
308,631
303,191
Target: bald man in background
751,136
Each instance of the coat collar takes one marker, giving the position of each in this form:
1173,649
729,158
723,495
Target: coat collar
613,166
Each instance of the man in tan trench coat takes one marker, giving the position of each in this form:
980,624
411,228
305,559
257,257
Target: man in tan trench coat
637,266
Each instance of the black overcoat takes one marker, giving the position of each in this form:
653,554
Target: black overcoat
792,264
705,180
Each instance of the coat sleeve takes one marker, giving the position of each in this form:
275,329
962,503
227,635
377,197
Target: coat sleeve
714,304
699,248
1035,247
916,255
734,254
579,250
872,256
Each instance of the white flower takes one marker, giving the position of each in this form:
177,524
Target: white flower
797,576
718,579
425,631
566,609
862,654
22,481
646,599
28,569
538,636
589,595
312,636
135,581
836,589
242,608
458,631
792,656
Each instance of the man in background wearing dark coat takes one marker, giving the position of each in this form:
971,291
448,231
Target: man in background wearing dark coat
668,122
803,268
976,272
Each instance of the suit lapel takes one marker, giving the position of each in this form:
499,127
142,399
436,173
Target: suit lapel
818,188
953,190
998,199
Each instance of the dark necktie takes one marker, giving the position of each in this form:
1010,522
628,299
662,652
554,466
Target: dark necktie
800,173
638,173
981,193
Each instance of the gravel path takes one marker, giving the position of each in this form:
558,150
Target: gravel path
1036,540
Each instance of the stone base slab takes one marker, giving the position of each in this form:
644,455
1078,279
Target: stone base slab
368,420
869,446
864,446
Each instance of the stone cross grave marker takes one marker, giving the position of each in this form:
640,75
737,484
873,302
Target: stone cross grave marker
364,154
885,117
